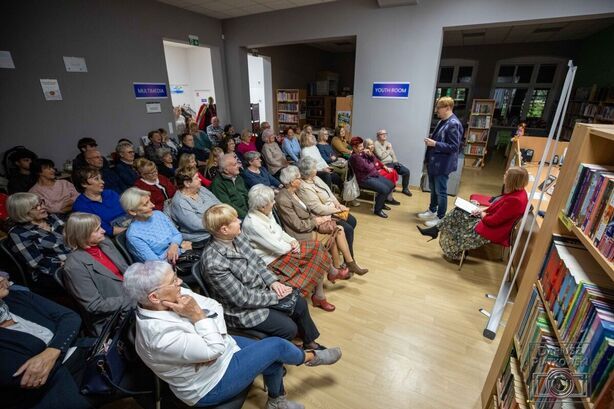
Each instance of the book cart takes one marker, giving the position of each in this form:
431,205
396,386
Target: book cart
564,306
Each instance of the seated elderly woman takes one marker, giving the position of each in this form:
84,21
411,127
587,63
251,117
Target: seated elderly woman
326,150
324,172
255,174
95,199
271,152
182,337
212,169
301,224
252,296
189,205
367,176
94,270
39,368
340,142
151,235
124,165
37,238
188,160
291,145
166,167
321,201
247,143
301,265
462,231
386,171
160,188
59,195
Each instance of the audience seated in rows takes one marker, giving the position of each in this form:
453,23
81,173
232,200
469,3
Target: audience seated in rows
58,195
94,270
301,265
300,223
189,205
212,169
95,199
20,177
291,146
229,186
166,166
368,177
160,188
385,153
94,159
201,140
187,146
151,234
247,143
340,143
40,369
247,290
324,172
255,173
124,166
271,152
178,331
215,132
326,150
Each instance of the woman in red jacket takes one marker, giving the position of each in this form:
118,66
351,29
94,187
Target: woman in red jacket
160,187
464,231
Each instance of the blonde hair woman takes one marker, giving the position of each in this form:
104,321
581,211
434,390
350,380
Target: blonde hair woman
94,270
188,160
341,143
213,163
324,172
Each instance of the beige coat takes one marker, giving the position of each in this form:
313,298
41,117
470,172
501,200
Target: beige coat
273,156
384,152
297,220
318,197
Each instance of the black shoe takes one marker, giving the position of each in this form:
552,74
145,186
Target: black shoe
431,232
381,214
386,207
407,192
393,202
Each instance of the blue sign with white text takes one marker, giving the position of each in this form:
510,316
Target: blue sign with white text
390,90
150,90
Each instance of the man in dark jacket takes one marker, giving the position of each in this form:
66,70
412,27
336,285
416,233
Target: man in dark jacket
441,159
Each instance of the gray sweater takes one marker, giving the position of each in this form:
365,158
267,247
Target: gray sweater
188,214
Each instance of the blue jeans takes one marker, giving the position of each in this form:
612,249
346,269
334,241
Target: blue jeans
266,357
382,186
439,194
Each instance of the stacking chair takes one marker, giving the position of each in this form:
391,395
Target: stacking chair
122,246
14,266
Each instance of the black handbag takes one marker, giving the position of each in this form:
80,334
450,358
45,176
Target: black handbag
288,303
110,357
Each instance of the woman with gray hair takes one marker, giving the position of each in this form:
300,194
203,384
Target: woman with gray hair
255,174
324,172
37,237
271,152
301,265
182,337
166,166
124,166
94,270
300,223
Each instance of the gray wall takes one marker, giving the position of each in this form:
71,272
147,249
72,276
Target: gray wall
121,42
393,44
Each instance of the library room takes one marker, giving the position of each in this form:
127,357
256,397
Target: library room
322,204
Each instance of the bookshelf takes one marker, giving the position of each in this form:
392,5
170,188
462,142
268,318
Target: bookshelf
321,111
589,105
290,105
590,144
476,140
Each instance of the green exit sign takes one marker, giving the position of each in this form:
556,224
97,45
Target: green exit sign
193,40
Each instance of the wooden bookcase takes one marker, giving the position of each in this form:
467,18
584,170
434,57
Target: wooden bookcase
589,144
589,105
290,108
476,141
321,111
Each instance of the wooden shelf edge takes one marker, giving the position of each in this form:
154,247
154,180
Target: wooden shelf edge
524,384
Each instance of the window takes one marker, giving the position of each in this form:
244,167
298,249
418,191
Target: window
537,103
455,80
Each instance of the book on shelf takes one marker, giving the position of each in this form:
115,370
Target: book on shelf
287,118
474,149
287,95
510,388
477,135
287,107
590,205
483,108
480,121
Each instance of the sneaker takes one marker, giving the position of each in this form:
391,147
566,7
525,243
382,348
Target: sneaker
325,357
433,222
428,215
354,203
281,402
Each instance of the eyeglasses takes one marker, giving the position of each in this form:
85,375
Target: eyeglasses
176,282
40,204
152,172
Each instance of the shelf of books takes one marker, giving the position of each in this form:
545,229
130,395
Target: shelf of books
290,108
561,328
589,105
480,121
321,111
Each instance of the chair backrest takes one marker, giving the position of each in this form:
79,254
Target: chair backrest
14,264
516,225
199,279
120,243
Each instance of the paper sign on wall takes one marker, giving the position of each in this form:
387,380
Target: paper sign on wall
75,64
153,107
51,89
6,61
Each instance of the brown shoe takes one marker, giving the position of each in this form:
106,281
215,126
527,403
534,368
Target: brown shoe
355,268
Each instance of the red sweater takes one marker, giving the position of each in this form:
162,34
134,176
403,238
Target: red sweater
157,196
500,217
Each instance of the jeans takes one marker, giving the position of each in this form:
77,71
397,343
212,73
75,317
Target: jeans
280,324
266,357
348,228
382,186
439,194
403,172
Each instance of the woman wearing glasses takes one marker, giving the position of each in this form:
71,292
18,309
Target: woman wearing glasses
160,188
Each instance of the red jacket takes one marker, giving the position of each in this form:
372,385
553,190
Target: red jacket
157,196
500,217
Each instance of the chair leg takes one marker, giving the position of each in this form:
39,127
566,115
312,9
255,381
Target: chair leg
462,260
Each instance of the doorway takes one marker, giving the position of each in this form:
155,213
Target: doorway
190,75
260,88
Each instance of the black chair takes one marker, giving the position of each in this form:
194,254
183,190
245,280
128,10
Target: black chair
122,246
167,400
14,266
74,305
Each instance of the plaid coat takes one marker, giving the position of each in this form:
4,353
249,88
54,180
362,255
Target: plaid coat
239,280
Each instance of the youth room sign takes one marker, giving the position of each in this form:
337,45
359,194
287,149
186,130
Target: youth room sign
392,90
149,90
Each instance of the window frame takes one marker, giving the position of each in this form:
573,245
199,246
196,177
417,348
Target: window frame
456,63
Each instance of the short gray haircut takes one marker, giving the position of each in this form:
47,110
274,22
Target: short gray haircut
267,133
289,174
225,160
140,279
131,198
251,155
161,152
122,146
19,205
260,196
307,166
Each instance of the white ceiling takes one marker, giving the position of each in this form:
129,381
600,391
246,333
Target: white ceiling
570,30
222,9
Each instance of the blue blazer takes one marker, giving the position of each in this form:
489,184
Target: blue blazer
442,159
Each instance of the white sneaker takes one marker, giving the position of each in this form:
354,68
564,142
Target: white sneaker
433,222
428,215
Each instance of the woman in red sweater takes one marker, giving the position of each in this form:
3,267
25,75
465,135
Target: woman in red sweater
464,231
160,187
